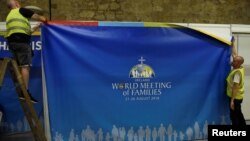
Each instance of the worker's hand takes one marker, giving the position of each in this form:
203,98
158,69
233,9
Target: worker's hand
44,19
36,27
232,104
39,18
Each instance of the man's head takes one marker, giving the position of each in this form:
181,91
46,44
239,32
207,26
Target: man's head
237,61
12,4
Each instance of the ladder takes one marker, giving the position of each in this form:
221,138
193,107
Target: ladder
29,111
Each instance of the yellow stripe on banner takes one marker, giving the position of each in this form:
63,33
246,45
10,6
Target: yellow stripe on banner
37,33
214,36
154,24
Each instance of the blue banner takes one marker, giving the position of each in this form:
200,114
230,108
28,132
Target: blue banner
13,118
133,83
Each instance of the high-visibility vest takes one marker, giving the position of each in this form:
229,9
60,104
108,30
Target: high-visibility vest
241,89
17,23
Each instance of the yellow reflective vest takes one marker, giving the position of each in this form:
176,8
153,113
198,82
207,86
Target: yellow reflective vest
17,23
241,89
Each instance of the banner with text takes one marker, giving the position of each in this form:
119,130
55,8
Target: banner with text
133,81
13,118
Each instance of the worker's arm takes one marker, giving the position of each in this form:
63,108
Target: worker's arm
39,18
235,89
31,15
234,51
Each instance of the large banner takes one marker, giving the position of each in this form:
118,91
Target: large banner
133,81
13,118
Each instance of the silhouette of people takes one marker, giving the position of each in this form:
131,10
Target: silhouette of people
100,134
130,134
60,137
162,132
147,72
122,134
189,133
108,137
119,133
182,136
76,138
150,73
205,129
26,125
135,137
141,133
56,138
134,74
72,135
148,133
19,126
89,134
170,132
115,133
201,135
144,74
154,134
196,130
83,135
175,135
137,74
223,120
92,135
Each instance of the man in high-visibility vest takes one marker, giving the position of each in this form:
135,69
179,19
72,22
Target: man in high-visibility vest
235,91
18,36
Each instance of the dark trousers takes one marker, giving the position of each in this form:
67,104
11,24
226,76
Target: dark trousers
236,115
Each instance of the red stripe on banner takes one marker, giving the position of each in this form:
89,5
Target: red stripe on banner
74,23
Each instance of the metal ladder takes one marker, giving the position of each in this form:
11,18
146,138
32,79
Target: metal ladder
29,111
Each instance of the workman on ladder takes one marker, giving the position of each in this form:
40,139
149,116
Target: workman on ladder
18,36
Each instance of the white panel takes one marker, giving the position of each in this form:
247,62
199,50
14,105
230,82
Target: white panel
244,50
237,28
246,102
244,46
182,24
2,26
